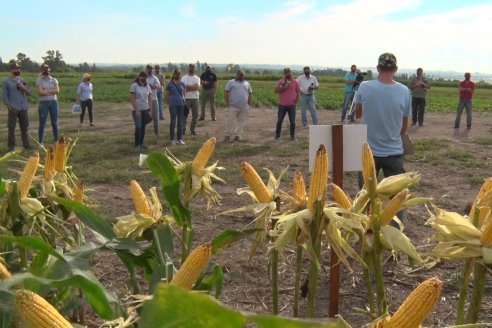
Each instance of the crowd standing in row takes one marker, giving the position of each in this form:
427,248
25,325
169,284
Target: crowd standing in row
148,92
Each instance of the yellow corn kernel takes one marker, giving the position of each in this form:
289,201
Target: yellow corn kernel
394,205
418,305
49,164
139,199
299,188
204,154
368,168
193,267
340,196
319,178
35,311
25,180
4,272
486,237
79,192
254,181
60,154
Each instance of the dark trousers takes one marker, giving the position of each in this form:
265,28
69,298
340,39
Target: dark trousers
176,123
291,111
464,103
207,95
418,109
83,105
23,118
139,127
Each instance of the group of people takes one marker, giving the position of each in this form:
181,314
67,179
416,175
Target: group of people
148,93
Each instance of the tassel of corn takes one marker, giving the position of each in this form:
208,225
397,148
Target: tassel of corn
139,199
394,205
193,267
486,237
60,154
204,154
79,192
49,164
319,177
299,188
368,168
254,181
340,196
35,311
25,180
4,272
418,305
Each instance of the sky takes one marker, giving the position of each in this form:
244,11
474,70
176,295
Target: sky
438,35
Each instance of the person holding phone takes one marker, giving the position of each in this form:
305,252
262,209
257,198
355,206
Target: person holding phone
288,90
308,84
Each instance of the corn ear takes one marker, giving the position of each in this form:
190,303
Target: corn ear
486,237
319,178
4,272
299,188
254,181
60,154
79,192
486,187
392,185
139,199
340,196
49,164
368,168
204,154
393,206
418,305
35,311
25,180
193,267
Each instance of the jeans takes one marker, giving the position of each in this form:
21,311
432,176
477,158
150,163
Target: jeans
139,127
210,96
177,115
291,111
193,106
462,104
347,101
160,97
83,105
45,107
308,102
418,108
23,118
391,165
155,116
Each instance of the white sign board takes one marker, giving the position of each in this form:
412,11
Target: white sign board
354,135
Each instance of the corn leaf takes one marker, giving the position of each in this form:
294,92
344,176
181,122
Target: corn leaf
398,241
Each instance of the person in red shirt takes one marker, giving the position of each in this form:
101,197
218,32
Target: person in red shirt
467,88
288,89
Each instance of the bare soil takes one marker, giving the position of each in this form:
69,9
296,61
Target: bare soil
247,285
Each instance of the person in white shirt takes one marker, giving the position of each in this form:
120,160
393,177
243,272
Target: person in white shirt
309,84
155,86
192,84
85,98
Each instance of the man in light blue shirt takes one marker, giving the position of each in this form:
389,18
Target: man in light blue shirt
350,89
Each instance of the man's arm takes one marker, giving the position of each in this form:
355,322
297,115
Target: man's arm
404,125
250,99
226,98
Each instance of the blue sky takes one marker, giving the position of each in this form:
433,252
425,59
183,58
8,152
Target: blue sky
433,34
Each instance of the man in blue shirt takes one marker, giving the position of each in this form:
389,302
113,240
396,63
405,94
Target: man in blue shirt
350,89
14,95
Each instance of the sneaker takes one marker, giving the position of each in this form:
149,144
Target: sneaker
143,146
180,142
201,119
173,142
213,119
293,138
193,133
421,125
277,138
227,138
468,127
161,118
237,138
92,124
456,127
414,124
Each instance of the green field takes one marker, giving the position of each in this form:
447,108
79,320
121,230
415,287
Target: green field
114,87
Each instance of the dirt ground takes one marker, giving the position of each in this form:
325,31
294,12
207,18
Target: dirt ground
247,285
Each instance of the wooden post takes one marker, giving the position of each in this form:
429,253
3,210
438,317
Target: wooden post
337,175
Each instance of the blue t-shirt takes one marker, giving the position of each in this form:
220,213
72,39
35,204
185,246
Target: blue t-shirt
383,108
176,93
350,77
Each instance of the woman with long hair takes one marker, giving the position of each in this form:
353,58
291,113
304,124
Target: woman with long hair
141,100
175,90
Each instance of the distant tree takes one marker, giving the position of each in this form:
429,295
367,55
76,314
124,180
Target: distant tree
171,67
55,60
26,62
229,68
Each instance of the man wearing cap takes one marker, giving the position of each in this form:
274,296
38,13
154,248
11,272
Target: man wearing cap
238,98
48,89
385,106
209,83
192,85
419,86
14,95
84,98
160,91
467,89
153,83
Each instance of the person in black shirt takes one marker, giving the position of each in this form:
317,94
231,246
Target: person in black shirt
209,83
